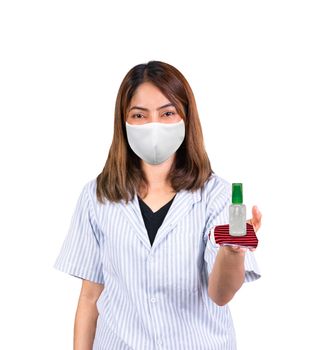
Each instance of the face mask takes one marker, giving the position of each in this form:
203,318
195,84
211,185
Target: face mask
155,142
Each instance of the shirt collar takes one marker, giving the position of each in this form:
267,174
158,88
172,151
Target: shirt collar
182,203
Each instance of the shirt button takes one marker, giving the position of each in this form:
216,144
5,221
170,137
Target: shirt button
153,300
159,342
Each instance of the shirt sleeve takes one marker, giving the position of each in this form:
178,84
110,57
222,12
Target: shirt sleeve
220,216
80,253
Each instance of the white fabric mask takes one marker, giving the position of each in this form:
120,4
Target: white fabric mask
155,142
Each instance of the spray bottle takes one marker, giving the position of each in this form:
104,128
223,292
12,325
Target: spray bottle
237,212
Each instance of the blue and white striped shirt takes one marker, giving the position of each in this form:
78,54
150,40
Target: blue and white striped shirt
155,297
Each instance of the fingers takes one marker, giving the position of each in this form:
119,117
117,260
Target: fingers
256,219
235,248
256,213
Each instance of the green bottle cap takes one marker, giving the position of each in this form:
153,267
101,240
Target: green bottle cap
237,193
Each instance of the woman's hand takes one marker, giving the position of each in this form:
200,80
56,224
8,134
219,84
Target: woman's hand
228,272
255,221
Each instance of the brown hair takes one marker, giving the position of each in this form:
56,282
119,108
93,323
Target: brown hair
122,175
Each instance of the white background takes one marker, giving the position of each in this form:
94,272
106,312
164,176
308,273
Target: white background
62,62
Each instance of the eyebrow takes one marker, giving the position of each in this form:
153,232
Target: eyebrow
146,109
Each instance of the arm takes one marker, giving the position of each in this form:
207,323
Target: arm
228,272
86,315
227,275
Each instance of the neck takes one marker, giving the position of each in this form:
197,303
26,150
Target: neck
157,175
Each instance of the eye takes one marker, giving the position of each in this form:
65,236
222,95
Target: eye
166,114
137,115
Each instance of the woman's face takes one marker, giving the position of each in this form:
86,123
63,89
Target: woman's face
148,104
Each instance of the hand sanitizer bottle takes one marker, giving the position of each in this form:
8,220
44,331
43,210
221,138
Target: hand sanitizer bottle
237,212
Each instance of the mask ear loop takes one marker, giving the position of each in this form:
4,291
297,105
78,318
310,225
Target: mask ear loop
211,237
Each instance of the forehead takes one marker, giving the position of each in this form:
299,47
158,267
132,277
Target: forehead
147,93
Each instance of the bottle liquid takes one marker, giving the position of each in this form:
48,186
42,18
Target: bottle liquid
237,212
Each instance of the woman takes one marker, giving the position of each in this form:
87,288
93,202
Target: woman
138,239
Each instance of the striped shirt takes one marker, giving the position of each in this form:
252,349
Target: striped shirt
155,297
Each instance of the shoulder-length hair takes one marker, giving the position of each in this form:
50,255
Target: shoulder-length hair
122,175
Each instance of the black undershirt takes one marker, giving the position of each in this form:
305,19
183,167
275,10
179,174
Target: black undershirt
153,220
